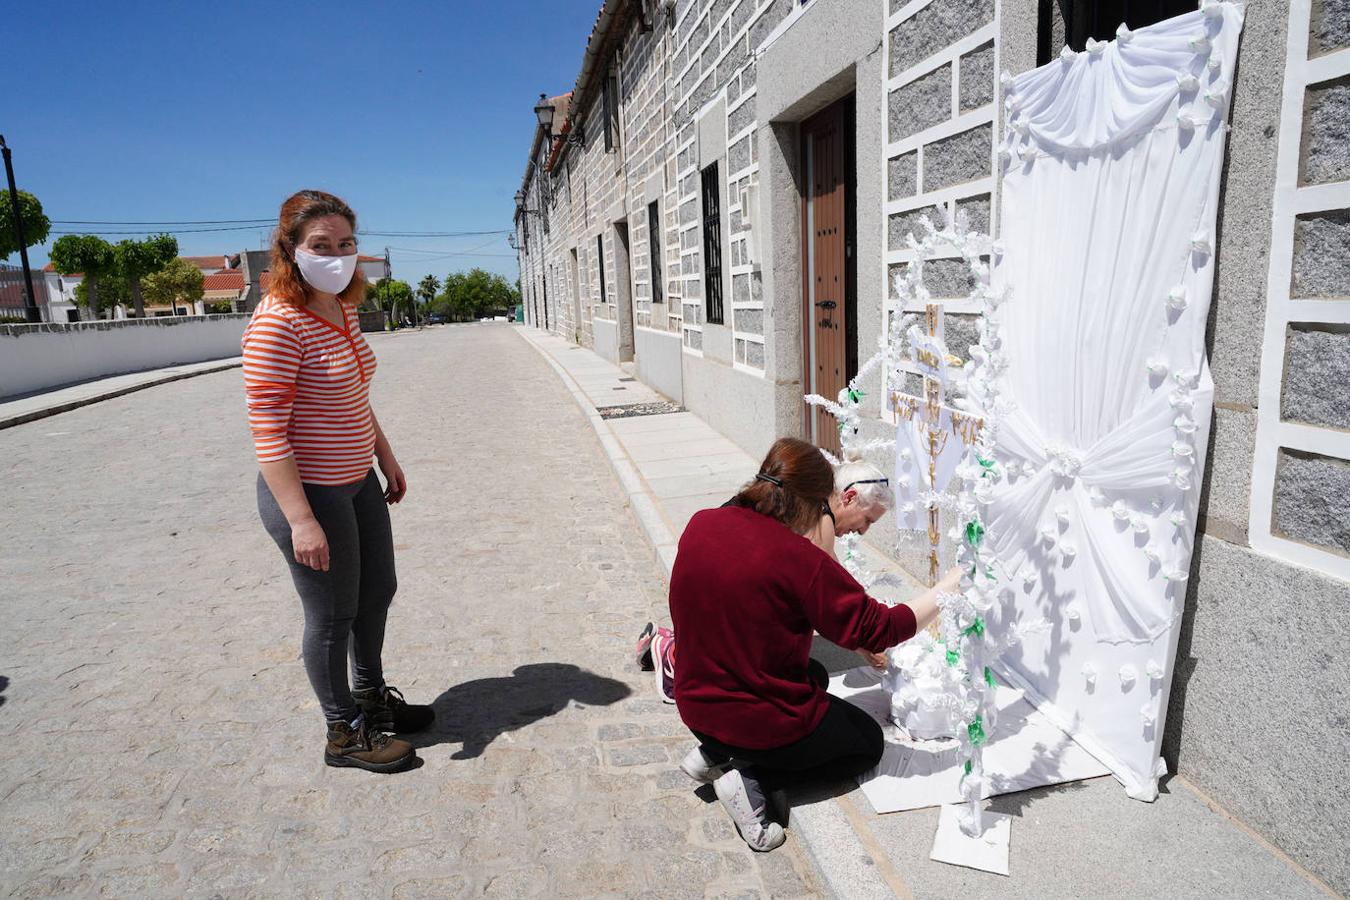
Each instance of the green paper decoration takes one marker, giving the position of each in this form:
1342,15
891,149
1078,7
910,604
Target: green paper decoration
855,395
989,677
976,731
976,628
967,767
953,657
974,533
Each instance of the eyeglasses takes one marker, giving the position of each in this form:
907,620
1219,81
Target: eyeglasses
866,481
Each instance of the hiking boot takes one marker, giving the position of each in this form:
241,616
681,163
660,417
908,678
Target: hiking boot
386,710
747,813
363,748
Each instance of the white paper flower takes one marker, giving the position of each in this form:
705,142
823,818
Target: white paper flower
1029,580
1188,380
1176,576
1074,611
1139,524
1188,82
1152,554
1022,127
1120,511
1128,676
1068,550
1199,43
907,509
1200,243
1181,401
1178,519
1062,514
1124,34
1182,450
1157,368
1176,298
1214,64
1096,496
1182,479
1006,80
1095,47
1155,503
906,454
1067,53
1090,673
1186,121
1184,425
1049,534
1211,10
1065,462
1146,713
1004,155
1154,669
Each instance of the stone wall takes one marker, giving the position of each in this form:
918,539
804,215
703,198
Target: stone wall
39,357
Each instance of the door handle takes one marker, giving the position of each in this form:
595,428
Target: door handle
826,304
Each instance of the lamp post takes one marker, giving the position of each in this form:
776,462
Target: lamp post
544,111
30,300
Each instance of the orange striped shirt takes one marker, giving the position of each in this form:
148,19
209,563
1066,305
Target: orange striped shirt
307,383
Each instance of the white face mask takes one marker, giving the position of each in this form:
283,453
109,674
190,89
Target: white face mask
330,274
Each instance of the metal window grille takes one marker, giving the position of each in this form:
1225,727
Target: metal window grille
655,250
712,246
600,265
611,102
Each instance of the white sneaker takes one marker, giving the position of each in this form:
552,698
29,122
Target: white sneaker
760,834
698,767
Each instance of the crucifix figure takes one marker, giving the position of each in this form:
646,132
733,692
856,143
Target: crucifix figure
935,423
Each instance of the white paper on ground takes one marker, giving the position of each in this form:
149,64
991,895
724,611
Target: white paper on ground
1025,751
987,852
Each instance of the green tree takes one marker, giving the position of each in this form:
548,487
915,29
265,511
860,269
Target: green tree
178,282
35,224
104,295
90,255
426,290
137,259
391,296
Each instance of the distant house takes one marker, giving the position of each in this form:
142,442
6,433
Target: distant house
60,291
371,266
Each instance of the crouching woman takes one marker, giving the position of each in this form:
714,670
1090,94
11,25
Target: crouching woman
747,592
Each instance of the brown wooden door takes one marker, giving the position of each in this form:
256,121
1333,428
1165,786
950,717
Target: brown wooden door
825,265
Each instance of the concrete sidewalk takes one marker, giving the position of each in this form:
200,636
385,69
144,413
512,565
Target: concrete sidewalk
1077,840
30,407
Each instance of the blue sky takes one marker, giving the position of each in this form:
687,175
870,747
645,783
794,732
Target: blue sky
419,114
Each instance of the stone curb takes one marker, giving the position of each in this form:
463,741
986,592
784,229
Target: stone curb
9,421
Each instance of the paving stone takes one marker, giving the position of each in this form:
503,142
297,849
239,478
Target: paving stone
176,740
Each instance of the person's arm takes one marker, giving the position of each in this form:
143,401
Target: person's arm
272,354
396,483
839,608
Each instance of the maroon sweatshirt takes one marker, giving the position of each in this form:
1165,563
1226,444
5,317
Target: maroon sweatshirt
745,595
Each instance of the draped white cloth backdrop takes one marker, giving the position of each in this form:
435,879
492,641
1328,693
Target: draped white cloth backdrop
1109,198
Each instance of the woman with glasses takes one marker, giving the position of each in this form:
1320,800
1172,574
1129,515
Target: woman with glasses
748,592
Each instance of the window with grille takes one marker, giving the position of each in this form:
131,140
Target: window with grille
600,265
1098,19
712,246
611,102
654,250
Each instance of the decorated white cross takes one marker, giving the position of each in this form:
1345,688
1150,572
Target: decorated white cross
934,425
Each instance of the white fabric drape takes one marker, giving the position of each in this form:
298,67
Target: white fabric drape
1109,197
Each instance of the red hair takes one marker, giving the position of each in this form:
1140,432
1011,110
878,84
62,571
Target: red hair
299,210
798,482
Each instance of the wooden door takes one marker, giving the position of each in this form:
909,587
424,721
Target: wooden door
825,282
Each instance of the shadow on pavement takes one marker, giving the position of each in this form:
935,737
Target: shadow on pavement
476,712
4,683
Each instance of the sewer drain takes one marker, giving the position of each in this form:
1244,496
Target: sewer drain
657,408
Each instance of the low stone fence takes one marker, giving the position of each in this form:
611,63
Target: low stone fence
37,357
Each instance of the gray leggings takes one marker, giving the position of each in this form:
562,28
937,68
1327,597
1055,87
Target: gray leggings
352,598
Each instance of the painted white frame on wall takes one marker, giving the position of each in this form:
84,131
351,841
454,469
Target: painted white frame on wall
1291,201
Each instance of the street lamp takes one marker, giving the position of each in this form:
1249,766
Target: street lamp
544,111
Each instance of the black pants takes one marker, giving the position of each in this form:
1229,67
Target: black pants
846,743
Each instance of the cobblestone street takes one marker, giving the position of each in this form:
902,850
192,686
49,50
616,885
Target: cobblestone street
161,738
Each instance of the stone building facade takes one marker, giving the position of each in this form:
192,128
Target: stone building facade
715,112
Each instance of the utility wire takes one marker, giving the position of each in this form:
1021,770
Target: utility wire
200,222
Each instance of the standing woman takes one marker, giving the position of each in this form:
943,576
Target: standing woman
307,372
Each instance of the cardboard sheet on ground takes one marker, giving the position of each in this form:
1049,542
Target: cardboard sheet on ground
1026,750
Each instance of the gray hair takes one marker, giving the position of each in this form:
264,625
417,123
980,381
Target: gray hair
874,492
